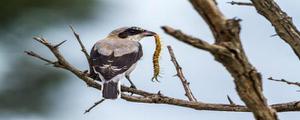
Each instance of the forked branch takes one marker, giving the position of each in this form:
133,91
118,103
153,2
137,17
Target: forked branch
185,83
148,97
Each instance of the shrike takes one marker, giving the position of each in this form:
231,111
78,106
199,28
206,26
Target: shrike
115,57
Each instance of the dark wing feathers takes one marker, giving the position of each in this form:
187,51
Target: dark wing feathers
111,66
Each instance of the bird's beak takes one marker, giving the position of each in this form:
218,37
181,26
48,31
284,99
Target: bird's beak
148,33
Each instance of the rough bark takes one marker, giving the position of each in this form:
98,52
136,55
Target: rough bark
227,50
230,53
282,23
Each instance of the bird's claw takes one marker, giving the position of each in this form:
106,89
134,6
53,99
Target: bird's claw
133,86
155,78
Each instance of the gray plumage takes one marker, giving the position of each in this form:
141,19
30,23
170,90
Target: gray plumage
115,57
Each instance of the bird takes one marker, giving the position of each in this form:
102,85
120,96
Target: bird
115,57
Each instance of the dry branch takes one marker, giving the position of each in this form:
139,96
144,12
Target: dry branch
228,50
285,81
185,83
93,106
147,97
196,42
63,63
282,23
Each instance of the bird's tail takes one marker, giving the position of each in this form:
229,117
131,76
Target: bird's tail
111,90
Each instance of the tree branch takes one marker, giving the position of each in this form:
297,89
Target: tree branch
147,97
87,56
93,106
285,81
185,83
157,99
80,43
63,63
196,42
282,23
231,54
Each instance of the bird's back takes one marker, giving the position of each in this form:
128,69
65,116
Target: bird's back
113,57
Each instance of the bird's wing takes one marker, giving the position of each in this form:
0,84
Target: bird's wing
106,63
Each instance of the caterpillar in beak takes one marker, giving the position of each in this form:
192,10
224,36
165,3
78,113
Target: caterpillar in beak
156,57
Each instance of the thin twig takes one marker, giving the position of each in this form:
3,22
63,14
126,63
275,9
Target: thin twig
285,81
185,83
33,54
63,63
95,104
80,43
240,3
87,56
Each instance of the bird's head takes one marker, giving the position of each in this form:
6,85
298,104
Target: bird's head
131,33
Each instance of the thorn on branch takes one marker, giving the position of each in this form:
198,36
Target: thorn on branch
230,100
273,35
185,83
159,93
95,104
285,81
240,3
56,46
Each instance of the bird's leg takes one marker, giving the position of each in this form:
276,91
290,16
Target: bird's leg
94,75
131,83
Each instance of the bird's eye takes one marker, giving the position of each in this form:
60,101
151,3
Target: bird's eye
132,31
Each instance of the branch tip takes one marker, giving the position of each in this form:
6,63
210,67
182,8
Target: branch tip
93,106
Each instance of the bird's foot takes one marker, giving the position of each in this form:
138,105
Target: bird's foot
133,86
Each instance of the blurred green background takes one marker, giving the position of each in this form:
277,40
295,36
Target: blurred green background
26,82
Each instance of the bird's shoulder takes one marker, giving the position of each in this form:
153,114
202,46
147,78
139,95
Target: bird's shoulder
116,46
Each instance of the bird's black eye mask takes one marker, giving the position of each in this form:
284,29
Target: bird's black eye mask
130,31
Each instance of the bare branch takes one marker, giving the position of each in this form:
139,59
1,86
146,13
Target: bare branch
33,54
285,81
185,83
240,3
95,104
282,23
87,56
196,42
247,79
157,98
80,43
61,61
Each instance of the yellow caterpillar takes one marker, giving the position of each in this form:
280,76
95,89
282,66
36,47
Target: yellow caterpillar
155,58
